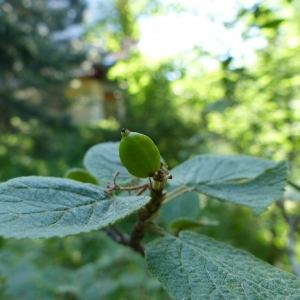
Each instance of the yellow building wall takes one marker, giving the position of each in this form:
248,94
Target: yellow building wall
86,96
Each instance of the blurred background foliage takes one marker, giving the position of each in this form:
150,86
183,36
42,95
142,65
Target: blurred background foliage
59,95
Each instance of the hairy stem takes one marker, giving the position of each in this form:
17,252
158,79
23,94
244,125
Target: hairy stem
146,215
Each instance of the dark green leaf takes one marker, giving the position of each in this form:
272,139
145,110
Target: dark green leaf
272,24
38,207
196,267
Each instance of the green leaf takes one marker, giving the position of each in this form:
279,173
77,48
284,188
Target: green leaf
245,180
81,175
37,207
187,205
197,267
103,161
185,223
272,24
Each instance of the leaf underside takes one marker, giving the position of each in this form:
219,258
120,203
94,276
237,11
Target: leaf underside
245,180
43,207
197,267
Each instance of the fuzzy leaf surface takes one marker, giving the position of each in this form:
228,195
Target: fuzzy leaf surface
43,207
245,180
103,161
196,267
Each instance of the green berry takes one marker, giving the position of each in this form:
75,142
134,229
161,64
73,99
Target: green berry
138,154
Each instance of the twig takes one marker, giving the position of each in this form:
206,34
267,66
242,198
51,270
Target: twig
115,187
116,235
145,216
149,212
158,230
294,185
292,222
121,238
140,192
175,193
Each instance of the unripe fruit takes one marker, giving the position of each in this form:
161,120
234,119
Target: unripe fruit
138,154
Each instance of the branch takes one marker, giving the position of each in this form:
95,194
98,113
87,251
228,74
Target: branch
115,187
158,230
149,212
145,215
293,222
294,185
121,238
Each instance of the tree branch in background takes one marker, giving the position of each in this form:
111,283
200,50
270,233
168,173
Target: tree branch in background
292,221
294,185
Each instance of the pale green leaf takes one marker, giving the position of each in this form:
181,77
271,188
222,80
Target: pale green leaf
38,207
245,180
103,161
195,267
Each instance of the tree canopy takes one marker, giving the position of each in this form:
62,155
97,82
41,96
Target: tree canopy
200,102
